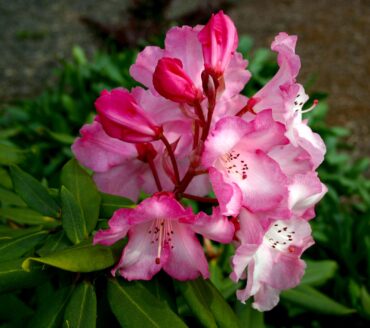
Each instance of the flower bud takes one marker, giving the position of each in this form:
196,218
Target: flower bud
172,82
122,118
219,41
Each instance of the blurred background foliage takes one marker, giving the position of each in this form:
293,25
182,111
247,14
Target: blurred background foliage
60,287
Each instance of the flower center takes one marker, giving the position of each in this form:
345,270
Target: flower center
161,231
235,165
280,236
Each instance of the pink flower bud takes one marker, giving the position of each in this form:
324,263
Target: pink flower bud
122,118
172,82
219,41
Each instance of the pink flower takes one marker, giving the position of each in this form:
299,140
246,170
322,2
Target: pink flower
219,41
271,251
161,235
240,169
123,119
172,82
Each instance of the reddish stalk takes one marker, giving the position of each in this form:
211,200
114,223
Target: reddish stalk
199,112
201,199
172,158
155,174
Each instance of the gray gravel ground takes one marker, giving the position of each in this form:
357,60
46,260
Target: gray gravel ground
333,43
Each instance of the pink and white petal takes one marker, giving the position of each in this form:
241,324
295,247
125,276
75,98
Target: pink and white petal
122,180
305,190
227,133
159,206
216,227
146,62
251,287
266,298
251,228
235,76
292,160
228,107
186,260
228,194
265,133
199,186
118,228
159,108
243,256
138,259
265,186
182,43
99,152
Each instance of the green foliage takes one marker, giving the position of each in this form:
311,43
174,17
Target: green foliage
51,275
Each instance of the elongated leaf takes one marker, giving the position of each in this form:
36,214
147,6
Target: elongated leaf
250,317
12,308
5,179
318,272
134,306
12,276
81,308
50,313
34,194
207,304
10,198
28,216
84,257
111,203
16,247
83,188
8,233
10,155
313,300
72,217
54,242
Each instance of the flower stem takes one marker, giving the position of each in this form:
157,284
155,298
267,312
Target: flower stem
172,158
201,199
155,174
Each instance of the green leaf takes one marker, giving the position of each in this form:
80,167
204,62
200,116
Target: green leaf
49,314
111,203
10,155
10,198
28,216
315,301
12,308
207,304
134,306
34,194
5,179
54,242
250,317
8,233
62,137
17,247
72,217
12,276
81,308
84,257
365,300
318,272
83,188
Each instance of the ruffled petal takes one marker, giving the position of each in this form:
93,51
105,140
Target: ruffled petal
118,228
99,152
186,259
216,226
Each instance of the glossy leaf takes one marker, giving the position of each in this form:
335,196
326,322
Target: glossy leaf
34,194
72,217
28,216
12,276
84,257
134,306
54,242
10,155
250,317
10,198
318,272
83,188
207,304
309,298
111,203
80,311
17,247
5,179
50,313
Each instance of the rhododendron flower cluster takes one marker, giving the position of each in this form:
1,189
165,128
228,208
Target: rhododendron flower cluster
189,131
